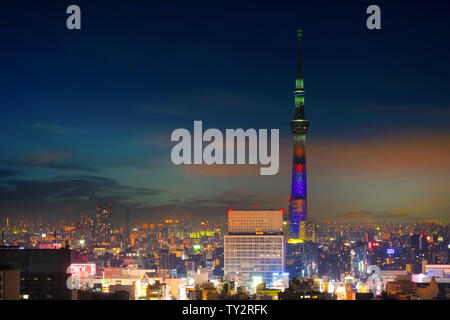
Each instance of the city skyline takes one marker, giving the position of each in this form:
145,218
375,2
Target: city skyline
88,115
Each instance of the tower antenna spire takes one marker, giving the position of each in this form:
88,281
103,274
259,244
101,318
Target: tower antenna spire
299,56
299,91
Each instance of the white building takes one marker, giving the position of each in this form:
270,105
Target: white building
254,247
255,222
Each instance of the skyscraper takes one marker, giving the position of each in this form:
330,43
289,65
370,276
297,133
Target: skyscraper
102,224
299,127
254,246
419,251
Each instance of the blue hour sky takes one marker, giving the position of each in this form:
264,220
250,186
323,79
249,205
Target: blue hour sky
87,114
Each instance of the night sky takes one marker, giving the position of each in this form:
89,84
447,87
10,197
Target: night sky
87,115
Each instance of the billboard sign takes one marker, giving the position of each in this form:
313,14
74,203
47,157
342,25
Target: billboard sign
83,269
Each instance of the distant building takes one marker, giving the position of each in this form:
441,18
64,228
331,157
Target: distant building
166,259
218,262
393,275
400,288
436,270
419,251
303,289
102,224
302,259
43,272
359,260
157,291
254,247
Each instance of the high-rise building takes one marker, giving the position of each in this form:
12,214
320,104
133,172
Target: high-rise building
218,256
43,272
359,260
299,127
307,231
127,229
254,247
102,224
166,259
302,259
419,251
84,230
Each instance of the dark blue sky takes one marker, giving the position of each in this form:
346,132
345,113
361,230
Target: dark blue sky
87,115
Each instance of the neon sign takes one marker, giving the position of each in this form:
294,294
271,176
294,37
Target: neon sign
83,268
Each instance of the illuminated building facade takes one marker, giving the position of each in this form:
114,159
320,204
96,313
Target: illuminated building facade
302,259
259,222
250,257
359,260
419,251
166,259
254,250
299,127
102,224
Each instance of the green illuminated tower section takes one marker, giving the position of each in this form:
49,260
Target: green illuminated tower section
299,127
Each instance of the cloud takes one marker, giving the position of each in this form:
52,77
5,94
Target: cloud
7,173
52,128
44,198
157,109
369,216
204,208
160,139
437,204
383,155
437,186
434,206
386,155
47,157
355,215
54,160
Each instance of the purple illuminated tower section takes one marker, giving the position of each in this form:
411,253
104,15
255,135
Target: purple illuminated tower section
299,126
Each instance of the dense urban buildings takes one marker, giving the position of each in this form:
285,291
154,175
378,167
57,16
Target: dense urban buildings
185,259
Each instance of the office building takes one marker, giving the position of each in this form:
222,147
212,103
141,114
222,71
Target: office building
254,247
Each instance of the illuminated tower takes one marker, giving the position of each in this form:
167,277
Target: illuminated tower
299,126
